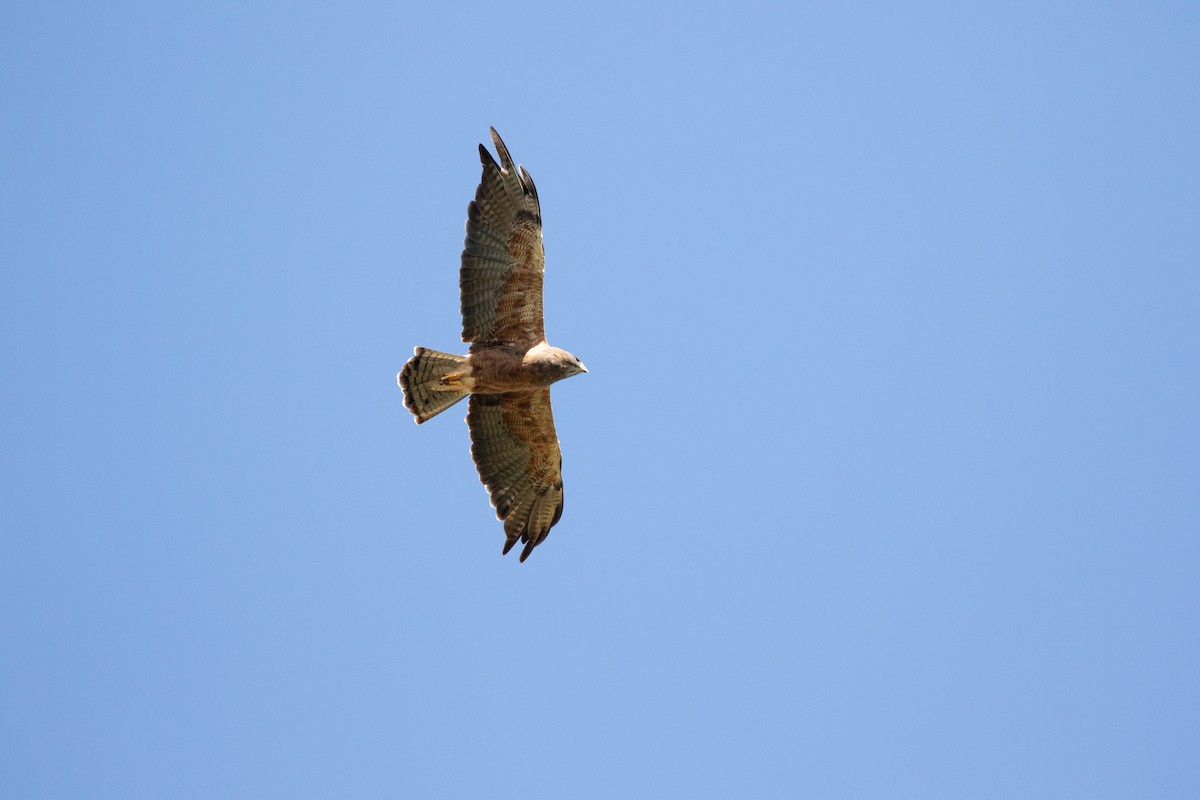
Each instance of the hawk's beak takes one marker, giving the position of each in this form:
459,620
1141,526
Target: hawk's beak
582,367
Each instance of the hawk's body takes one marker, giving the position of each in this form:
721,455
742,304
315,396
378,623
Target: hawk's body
510,366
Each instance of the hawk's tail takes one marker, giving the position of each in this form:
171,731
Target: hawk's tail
431,381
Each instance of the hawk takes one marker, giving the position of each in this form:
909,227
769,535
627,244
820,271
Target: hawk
508,371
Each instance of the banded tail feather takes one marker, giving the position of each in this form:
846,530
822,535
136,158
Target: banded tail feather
432,382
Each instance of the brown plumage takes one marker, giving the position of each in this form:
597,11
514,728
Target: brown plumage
510,366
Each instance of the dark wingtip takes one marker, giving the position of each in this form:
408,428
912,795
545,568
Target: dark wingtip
506,161
527,181
485,157
508,545
528,549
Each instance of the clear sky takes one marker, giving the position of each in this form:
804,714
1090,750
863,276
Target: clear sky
885,481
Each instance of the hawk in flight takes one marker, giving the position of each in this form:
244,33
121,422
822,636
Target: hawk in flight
508,371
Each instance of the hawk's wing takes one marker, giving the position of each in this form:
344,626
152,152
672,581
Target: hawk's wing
516,452
502,259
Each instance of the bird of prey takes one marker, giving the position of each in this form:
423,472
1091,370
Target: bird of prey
508,371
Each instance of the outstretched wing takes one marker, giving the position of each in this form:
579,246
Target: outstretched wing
516,452
502,259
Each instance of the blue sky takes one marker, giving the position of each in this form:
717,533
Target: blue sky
885,481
